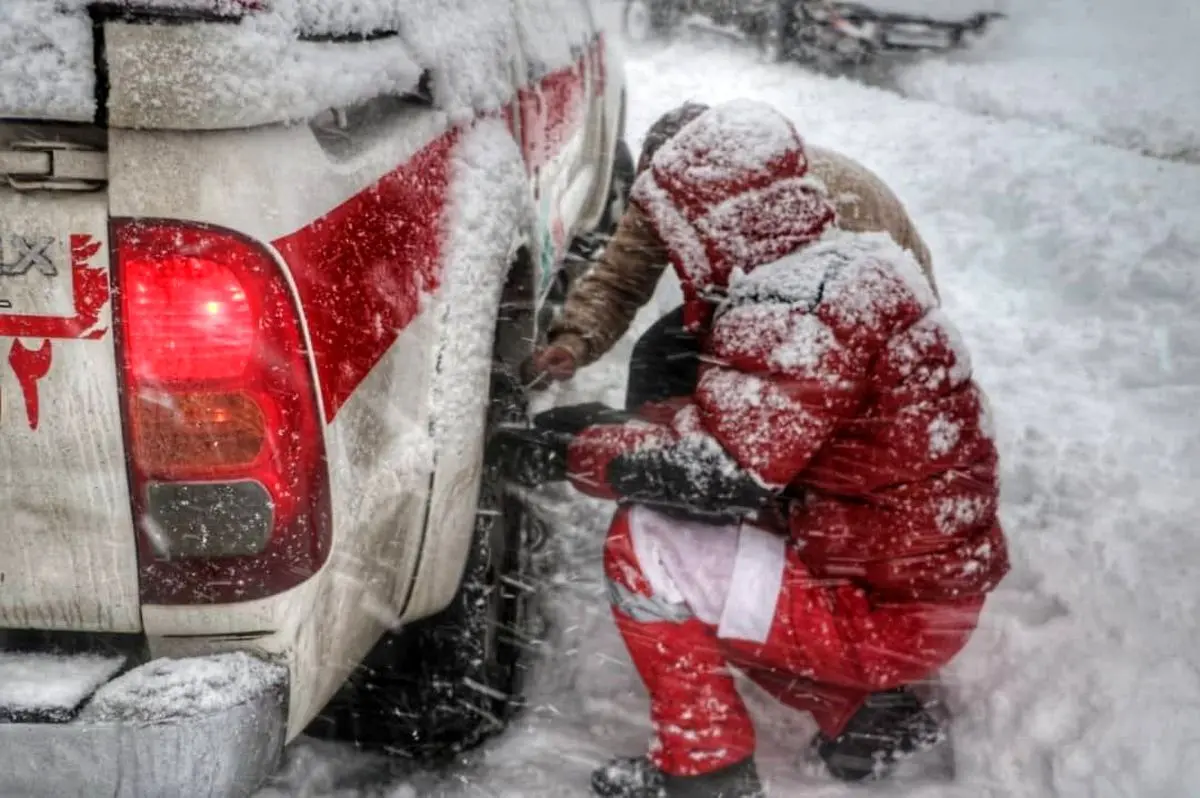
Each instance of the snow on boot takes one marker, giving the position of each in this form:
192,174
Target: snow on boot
638,778
889,727
634,777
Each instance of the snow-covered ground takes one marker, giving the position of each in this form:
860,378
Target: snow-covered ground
1120,72
1073,270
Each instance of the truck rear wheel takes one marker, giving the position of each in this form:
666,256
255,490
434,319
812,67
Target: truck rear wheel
623,175
445,684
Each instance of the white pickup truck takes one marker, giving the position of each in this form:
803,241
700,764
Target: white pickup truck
267,269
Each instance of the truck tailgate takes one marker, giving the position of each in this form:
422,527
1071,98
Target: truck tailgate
67,542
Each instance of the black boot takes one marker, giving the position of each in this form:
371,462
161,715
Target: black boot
638,778
634,777
887,728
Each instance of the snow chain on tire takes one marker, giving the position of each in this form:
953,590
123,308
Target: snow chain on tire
445,684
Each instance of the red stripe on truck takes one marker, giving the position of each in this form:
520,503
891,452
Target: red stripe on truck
551,112
362,268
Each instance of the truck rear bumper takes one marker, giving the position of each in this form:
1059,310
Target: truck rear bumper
205,727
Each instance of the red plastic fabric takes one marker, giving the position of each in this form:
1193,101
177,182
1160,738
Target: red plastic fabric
829,647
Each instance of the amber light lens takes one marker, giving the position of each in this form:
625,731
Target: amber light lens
202,431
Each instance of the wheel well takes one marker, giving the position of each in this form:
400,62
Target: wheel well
516,322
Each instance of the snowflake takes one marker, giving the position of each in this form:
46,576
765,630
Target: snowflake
943,435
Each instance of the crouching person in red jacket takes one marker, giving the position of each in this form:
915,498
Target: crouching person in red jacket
821,512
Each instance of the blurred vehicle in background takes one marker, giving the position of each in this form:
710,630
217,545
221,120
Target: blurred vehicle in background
829,35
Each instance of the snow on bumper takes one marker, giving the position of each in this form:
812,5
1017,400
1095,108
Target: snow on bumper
207,727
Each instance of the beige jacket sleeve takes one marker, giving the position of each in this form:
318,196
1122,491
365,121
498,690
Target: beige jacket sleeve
603,302
865,204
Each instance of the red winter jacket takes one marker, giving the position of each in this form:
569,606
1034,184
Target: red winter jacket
828,368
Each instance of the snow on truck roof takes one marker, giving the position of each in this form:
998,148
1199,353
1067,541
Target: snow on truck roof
269,60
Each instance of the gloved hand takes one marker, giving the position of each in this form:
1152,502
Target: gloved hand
695,480
574,419
529,457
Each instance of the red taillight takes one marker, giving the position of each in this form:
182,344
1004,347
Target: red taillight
188,319
226,451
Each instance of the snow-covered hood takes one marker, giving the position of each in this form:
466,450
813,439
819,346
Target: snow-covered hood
730,192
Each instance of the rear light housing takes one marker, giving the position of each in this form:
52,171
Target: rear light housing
226,452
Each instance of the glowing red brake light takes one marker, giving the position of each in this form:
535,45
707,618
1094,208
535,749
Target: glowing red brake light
227,458
189,319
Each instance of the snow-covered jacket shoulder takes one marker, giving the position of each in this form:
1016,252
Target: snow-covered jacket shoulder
832,372
792,348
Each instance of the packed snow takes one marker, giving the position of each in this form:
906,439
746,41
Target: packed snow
178,688
45,61
50,684
1119,72
1069,268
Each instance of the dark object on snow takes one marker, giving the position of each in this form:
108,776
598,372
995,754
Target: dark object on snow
828,35
888,727
636,777
834,35
689,480
665,362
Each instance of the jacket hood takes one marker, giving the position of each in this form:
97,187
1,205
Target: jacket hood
730,192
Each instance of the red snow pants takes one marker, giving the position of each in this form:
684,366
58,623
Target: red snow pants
827,649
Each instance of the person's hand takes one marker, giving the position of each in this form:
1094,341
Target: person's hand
556,362
574,419
693,479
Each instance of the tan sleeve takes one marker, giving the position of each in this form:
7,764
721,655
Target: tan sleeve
866,204
912,241
603,302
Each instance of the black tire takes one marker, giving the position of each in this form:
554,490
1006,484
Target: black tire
445,684
585,248
619,186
